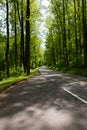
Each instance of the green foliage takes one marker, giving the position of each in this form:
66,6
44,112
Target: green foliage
2,56
5,83
64,41
16,65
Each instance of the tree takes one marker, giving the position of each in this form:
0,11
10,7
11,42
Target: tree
27,46
84,30
22,36
76,40
16,53
64,37
21,24
7,45
66,19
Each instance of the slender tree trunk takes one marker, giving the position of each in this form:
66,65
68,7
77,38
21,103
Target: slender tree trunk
76,40
79,27
18,12
84,30
16,54
68,33
22,37
7,45
64,37
35,63
27,46
69,37
53,52
60,47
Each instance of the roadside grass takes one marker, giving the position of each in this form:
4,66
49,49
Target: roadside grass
5,83
80,71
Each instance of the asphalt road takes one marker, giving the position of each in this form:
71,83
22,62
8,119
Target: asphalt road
49,101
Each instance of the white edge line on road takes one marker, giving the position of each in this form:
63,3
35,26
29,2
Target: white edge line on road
84,101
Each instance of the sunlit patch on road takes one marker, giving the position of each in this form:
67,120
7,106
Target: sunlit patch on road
36,119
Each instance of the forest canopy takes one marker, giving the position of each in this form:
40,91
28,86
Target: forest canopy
66,40
21,41
20,44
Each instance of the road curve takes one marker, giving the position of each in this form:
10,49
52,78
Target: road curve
41,103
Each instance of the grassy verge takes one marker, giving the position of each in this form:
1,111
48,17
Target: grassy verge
74,71
5,83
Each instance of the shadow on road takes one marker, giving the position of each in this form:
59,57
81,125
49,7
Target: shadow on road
41,104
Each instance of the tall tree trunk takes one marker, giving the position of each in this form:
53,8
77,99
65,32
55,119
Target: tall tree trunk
79,27
53,51
76,40
27,46
16,56
64,37
7,45
22,37
35,63
70,44
84,30
18,12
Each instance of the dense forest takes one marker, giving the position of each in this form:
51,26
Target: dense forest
20,43
20,40
66,40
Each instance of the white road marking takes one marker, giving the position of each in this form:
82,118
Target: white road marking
81,99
